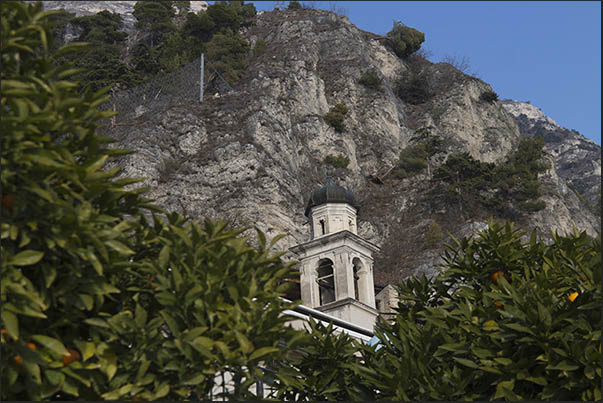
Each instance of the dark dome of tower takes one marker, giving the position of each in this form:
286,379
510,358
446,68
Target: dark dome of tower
330,193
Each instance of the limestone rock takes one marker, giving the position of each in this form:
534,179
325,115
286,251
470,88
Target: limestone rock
252,156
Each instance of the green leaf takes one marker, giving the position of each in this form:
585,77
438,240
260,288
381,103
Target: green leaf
87,301
97,164
223,348
42,160
26,258
454,347
163,390
119,247
164,257
482,352
75,375
191,334
195,379
22,108
44,194
171,322
503,388
491,370
15,84
86,348
51,344
54,377
140,316
519,328
260,352
246,345
50,274
563,366
98,267
142,369
97,322
70,387
33,370
204,342
11,322
182,234
109,361
503,361
466,362
70,48
539,380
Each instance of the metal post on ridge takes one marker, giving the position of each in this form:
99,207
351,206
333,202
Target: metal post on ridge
201,79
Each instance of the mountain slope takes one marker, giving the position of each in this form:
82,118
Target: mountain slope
253,155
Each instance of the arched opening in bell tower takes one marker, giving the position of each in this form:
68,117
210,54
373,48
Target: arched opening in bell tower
326,281
356,278
323,227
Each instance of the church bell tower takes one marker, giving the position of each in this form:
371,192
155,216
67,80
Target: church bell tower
336,264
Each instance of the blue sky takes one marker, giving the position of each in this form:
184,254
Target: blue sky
545,52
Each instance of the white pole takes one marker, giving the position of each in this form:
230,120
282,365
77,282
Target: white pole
201,81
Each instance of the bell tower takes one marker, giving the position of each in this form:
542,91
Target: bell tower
336,264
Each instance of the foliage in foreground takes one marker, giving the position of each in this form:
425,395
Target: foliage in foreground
507,319
326,369
96,301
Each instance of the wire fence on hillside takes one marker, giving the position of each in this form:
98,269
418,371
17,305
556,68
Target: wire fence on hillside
178,87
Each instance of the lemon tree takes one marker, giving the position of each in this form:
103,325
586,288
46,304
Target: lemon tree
99,301
201,314
510,317
63,232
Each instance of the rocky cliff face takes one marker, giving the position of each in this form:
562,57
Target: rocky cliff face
254,154
576,169
577,159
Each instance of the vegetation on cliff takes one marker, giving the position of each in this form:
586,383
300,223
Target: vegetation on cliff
405,40
336,116
505,190
168,37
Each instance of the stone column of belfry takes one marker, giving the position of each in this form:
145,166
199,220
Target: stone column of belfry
342,289
366,285
308,283
349,277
